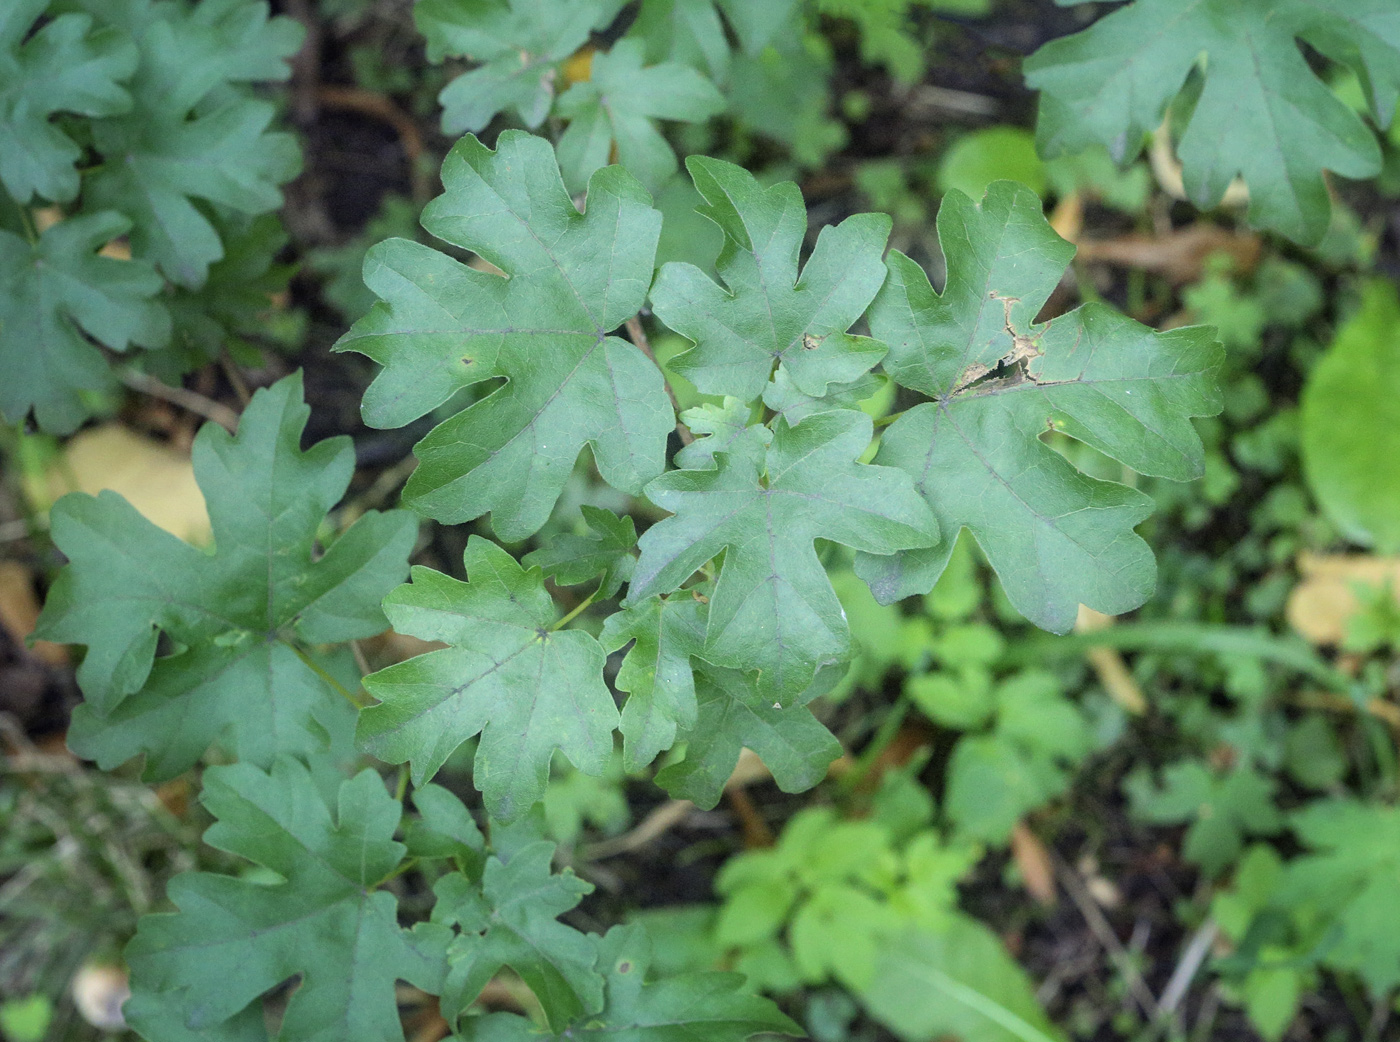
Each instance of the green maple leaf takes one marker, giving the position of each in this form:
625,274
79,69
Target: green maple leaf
769,313
66,66
1055,536
525,689
773,607
54,291
519,44
236,617
510,920
733,715
1350,878
442,326
665,633
1262,114
611,114
1222,809
710,1006
187,137
198,973
573,559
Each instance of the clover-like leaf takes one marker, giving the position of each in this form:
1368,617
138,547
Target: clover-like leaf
442,326
66,66
735,715
773,607
234,618
187,137
716,1007
612,111
1221,809
1348,878
1263,113
573,559
1055,536
769,313
54,291
199,972
511,920
526,689
519,44
665,633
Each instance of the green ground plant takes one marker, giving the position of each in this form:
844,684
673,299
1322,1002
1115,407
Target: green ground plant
845,481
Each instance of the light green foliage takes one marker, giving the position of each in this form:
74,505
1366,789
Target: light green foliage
26,1019
770,314
1262,112
690,31
1025,761
783,92
1055,536
1351,423
442,326
237,618
1222,808
606,552
68,65
887,34
837,891
1348,881
574,799
959,983
198,973
498,625
773,607
519,45
1275,975
977,159
677,1008
509,920
611,115
51,294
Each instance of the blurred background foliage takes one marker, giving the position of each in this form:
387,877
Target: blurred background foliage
1180,825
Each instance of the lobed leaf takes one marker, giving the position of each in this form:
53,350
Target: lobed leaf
773,607
199,972
519,45
525,689
65,66
733,715
510,920
1262,114
769,314
234,618
1056,537
611,114
442,326
712,1006
52,293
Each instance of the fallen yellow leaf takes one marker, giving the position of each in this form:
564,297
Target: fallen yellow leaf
156,479
1322,604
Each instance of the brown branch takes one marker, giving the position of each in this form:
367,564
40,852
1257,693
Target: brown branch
183,397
